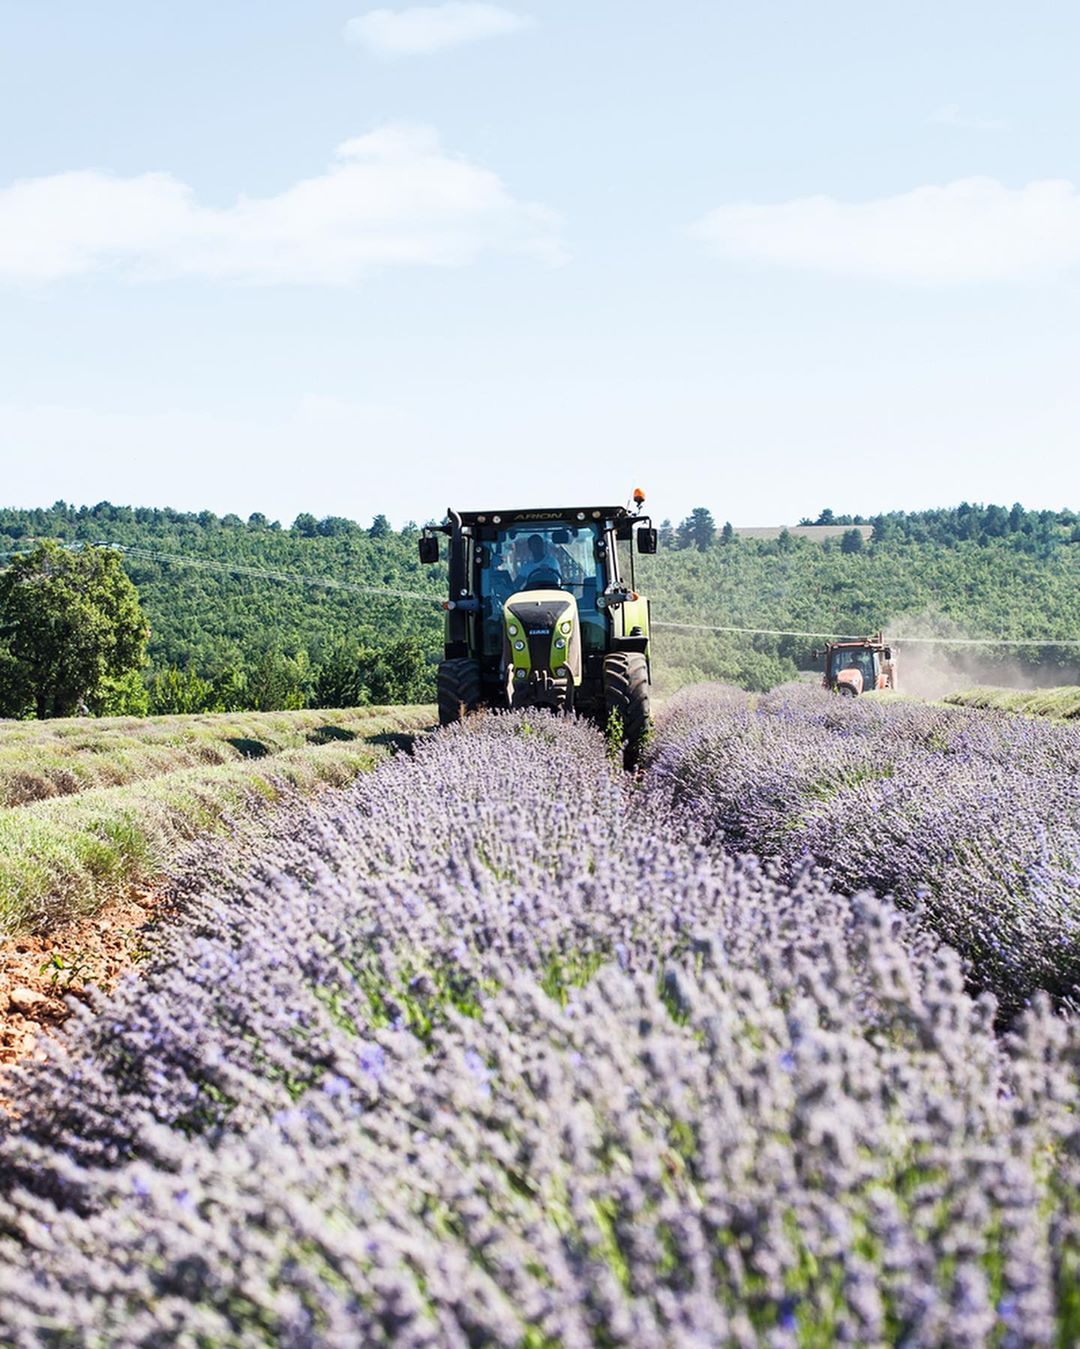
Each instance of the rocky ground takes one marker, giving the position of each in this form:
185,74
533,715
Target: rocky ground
40,974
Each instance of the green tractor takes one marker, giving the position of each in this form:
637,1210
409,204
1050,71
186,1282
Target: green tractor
539,614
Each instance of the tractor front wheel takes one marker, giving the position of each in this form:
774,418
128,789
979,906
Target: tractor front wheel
459,689
626,700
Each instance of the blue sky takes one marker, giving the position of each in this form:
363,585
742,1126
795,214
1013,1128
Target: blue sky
350,259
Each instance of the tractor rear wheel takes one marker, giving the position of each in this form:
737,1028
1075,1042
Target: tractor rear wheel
626,697
459,689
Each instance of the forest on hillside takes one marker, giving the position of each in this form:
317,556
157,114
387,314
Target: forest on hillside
248,613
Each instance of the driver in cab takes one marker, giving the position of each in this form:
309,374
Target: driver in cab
540,564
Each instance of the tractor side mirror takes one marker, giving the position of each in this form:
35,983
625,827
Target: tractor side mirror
428,546
646,540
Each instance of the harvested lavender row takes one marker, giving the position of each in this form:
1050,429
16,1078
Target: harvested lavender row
973,817
496,1053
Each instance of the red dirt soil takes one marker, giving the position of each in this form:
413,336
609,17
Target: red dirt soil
38,973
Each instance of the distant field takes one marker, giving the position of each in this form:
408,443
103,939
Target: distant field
815,533
1063,703
40,760
90,808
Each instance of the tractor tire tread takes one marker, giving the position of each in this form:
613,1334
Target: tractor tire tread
460,690
626,691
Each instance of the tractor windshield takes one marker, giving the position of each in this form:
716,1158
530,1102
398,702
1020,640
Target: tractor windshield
855,658
548,556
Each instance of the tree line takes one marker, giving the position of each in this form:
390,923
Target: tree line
216,639
1038,532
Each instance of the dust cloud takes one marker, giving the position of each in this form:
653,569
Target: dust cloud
928,670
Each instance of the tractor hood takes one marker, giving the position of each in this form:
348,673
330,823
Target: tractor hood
541,633
851,678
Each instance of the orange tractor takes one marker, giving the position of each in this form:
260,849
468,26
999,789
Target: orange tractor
858,666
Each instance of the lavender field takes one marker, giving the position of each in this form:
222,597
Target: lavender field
503,1046
972,819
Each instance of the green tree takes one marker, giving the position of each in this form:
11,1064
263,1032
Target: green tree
401,673
340,680
70,623
279,682
123,696
230,690
173,691
852,541
698,530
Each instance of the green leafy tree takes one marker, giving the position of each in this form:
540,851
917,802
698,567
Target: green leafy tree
340,680
180,691
401,673
70,623
852,541
279,682
230,690
123,696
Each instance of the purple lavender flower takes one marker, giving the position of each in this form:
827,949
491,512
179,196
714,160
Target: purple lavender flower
576,1065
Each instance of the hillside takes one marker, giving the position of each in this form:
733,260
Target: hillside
263,640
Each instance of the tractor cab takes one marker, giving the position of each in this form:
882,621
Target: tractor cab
543,611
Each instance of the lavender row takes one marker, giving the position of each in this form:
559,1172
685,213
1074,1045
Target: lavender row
496,1050
973,818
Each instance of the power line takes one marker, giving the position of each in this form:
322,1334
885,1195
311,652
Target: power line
289,577
757,632
352,587
987,641
898,640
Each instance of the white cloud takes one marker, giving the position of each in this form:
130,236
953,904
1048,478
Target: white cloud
392,197
424,29
975,229
951,115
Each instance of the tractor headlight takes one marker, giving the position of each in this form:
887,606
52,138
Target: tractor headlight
519,646
512,630
563,672
559,643
519,674
565,626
